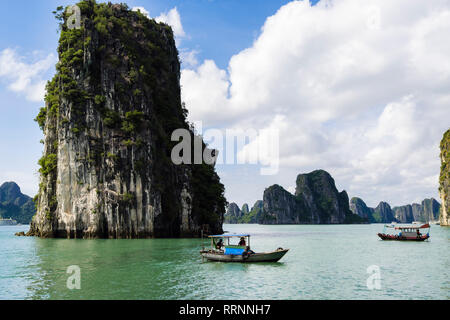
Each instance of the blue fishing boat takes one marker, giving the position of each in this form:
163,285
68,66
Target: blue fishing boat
241,252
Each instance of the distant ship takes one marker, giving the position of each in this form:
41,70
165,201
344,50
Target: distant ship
8,222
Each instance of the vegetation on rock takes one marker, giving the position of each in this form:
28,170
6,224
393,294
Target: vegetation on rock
110,111
444,180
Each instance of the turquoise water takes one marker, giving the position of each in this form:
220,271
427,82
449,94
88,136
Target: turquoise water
325,262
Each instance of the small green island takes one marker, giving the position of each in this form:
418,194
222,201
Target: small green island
15,205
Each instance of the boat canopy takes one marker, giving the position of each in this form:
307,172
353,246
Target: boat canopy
230,236
415,226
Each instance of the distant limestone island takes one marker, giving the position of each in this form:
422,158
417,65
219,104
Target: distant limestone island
427,211
15,205
317,201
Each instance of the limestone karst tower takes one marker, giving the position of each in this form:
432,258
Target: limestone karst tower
444,180
111,108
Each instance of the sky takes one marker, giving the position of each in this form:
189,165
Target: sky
357,88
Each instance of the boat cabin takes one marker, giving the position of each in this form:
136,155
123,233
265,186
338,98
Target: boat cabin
236,247
406,232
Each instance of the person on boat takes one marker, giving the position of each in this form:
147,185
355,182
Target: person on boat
219,244
248,250
419,235
242,242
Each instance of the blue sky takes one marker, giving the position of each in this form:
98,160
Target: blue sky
351,87
215,29
218,29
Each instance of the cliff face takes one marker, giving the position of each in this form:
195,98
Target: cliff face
14,204
322,199
430,209
233,214
316,201
10,192
109,115
444,180
383,213
404,214
281,207
425,212
255,214
359,207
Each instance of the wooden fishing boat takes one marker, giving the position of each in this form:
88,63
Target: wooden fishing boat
405,232
238,253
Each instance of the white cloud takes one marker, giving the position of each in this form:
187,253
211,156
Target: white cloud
142,10
361,88
22,77
206,84
173,19
189,58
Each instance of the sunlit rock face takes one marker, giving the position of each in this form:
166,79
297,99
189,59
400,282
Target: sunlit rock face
316,201
383,213
359,207
427,211
110,111
233,214
444,180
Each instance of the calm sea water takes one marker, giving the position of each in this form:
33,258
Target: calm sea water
325,262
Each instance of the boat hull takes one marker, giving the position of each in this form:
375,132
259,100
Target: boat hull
400,238
255,257
8,222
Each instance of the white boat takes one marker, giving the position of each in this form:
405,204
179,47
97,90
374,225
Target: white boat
8,222
238,253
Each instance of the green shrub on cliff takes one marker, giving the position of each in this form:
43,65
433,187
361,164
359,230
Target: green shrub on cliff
41,118
133,121
48,164
112,119
209,194
128,198
99,100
